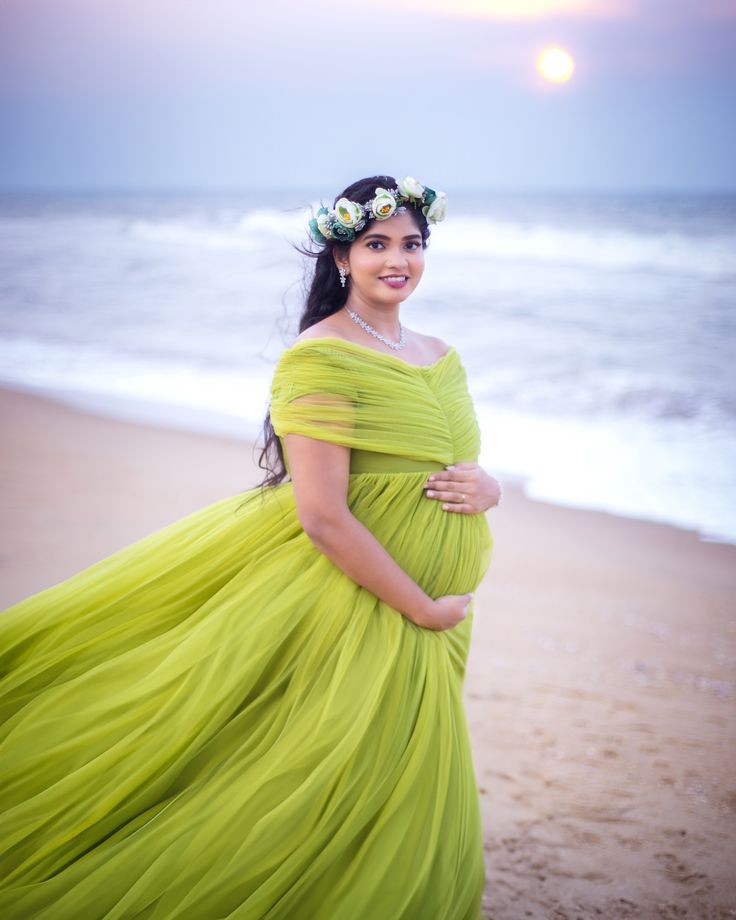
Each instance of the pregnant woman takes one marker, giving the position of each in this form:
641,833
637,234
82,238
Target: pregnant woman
256,712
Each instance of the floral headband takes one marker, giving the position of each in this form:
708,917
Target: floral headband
348,217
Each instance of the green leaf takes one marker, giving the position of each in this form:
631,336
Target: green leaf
317,234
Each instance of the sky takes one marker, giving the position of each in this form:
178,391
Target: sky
226,94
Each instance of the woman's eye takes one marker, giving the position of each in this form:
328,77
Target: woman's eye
412,245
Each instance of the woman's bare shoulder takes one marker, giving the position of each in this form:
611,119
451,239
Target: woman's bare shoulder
320,329
432,346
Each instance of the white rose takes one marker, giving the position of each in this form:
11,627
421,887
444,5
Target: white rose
436,211
383,204
410,188
348,213
323,225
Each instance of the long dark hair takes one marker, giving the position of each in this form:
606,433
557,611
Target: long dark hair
325,295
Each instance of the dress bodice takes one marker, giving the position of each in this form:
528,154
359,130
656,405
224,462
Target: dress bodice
394,415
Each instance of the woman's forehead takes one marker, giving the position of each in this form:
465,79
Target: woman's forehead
398,226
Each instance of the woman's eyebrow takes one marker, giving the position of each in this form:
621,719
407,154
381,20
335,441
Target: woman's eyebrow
382,236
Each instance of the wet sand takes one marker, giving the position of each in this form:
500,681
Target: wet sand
601,684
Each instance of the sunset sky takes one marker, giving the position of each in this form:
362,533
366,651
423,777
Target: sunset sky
231,94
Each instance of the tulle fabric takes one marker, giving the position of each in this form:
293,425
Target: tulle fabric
216,722
368,400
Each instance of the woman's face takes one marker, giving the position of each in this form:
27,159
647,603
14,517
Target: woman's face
386,261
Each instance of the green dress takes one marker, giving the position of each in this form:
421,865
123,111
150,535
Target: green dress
217,722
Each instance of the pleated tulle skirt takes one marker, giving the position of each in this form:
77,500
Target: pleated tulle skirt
217,722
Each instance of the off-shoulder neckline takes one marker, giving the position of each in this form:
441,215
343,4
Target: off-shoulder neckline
373,351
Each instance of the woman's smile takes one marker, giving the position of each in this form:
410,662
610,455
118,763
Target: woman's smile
394,281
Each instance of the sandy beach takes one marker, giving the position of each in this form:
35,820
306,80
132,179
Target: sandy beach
601,689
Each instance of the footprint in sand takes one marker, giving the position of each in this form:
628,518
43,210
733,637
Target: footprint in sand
677,871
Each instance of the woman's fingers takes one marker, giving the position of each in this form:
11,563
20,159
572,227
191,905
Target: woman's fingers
448,495
453,501
458,506
445,478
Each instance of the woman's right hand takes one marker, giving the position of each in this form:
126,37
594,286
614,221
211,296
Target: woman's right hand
445,612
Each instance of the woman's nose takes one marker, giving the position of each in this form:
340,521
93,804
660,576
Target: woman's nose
396,257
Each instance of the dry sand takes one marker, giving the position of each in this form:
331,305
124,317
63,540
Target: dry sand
600,689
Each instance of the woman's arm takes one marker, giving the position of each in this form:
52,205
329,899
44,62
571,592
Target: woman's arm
319,472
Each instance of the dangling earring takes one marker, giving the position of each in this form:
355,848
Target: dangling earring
343,275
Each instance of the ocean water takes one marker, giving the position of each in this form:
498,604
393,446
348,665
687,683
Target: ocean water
598,331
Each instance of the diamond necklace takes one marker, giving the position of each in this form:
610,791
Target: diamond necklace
361,322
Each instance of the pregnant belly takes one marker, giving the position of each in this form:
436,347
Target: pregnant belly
443,551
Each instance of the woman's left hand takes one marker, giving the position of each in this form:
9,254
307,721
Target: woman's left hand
464,487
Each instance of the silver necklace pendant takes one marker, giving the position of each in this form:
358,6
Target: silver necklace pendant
361,322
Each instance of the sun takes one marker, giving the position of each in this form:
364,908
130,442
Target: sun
555,65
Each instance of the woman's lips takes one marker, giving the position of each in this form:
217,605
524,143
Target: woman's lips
395,281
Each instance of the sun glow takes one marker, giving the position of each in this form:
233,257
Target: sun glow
555,65
521,9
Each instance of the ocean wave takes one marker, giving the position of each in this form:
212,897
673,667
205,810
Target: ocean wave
604,248
251,231
239,393
674,472
712,257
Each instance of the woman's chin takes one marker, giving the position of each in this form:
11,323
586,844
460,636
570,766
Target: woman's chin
386,294
381,295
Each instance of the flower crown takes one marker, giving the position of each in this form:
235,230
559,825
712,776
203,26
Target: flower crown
347,218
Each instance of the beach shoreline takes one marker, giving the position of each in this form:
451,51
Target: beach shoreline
600,685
